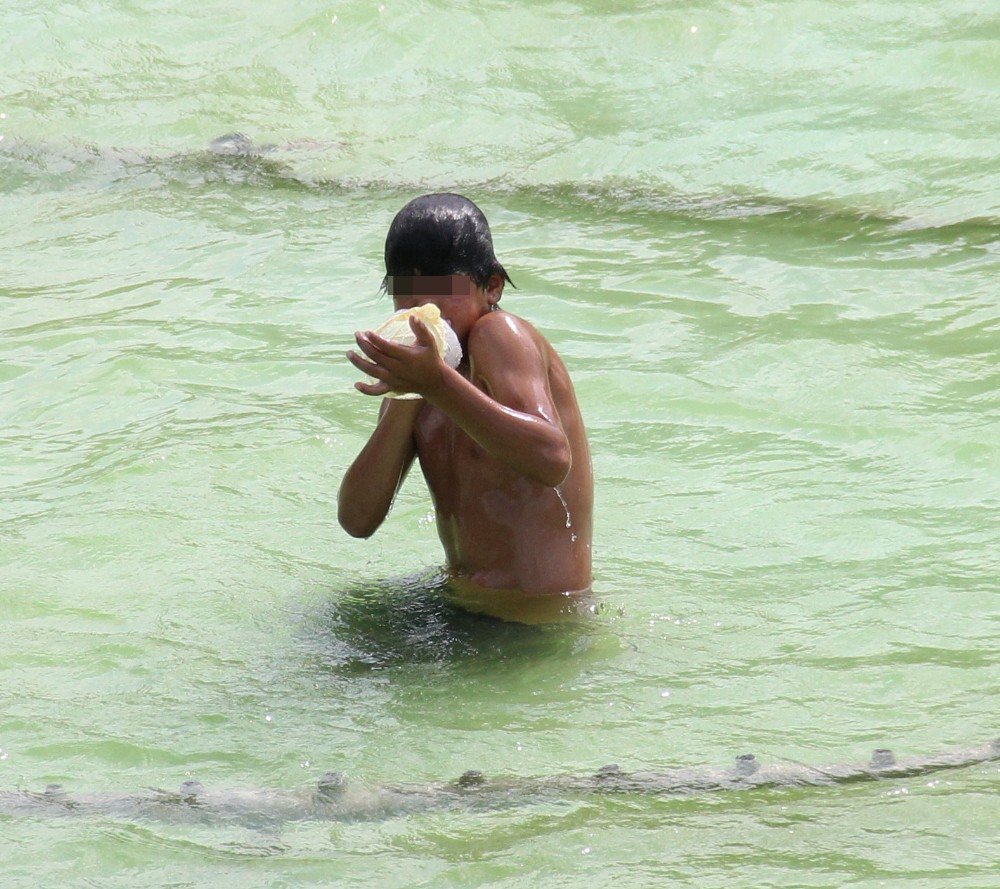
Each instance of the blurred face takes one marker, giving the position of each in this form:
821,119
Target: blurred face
461,301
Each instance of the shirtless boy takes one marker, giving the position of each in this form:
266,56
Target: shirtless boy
500,439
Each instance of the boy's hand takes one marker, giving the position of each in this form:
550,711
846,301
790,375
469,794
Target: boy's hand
397,368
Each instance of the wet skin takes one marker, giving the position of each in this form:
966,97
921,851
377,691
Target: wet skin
500,441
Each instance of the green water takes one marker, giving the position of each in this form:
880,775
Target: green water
765,237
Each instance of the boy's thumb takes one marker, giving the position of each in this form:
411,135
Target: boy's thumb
424,336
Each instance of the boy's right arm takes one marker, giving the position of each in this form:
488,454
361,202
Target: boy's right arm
371,482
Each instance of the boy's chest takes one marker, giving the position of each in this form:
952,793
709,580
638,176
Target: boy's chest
447,454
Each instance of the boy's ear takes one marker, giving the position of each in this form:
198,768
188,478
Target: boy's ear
494,289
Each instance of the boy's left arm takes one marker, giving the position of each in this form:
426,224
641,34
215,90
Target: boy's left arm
514,419
508,406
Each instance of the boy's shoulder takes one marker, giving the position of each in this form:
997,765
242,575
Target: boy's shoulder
505,346
502,329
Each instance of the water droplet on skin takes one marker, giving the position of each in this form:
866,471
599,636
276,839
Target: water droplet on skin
562,500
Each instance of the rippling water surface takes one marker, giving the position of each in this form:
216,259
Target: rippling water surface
765,238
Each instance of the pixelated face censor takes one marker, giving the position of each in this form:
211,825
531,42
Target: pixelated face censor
408,286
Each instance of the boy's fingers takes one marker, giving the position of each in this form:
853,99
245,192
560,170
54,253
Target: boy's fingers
364,340
367,367
372,388
372,348
382,350
375,341
423,335
392,349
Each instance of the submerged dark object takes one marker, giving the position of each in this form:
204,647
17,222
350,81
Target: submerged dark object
333,798
238,145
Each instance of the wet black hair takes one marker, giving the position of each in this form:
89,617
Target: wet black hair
441,234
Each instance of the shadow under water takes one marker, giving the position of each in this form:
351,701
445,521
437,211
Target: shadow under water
412,620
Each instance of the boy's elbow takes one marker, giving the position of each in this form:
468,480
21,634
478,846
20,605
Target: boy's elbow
357,526
361,532
556,465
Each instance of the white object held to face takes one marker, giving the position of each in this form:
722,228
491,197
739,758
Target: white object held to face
397,329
